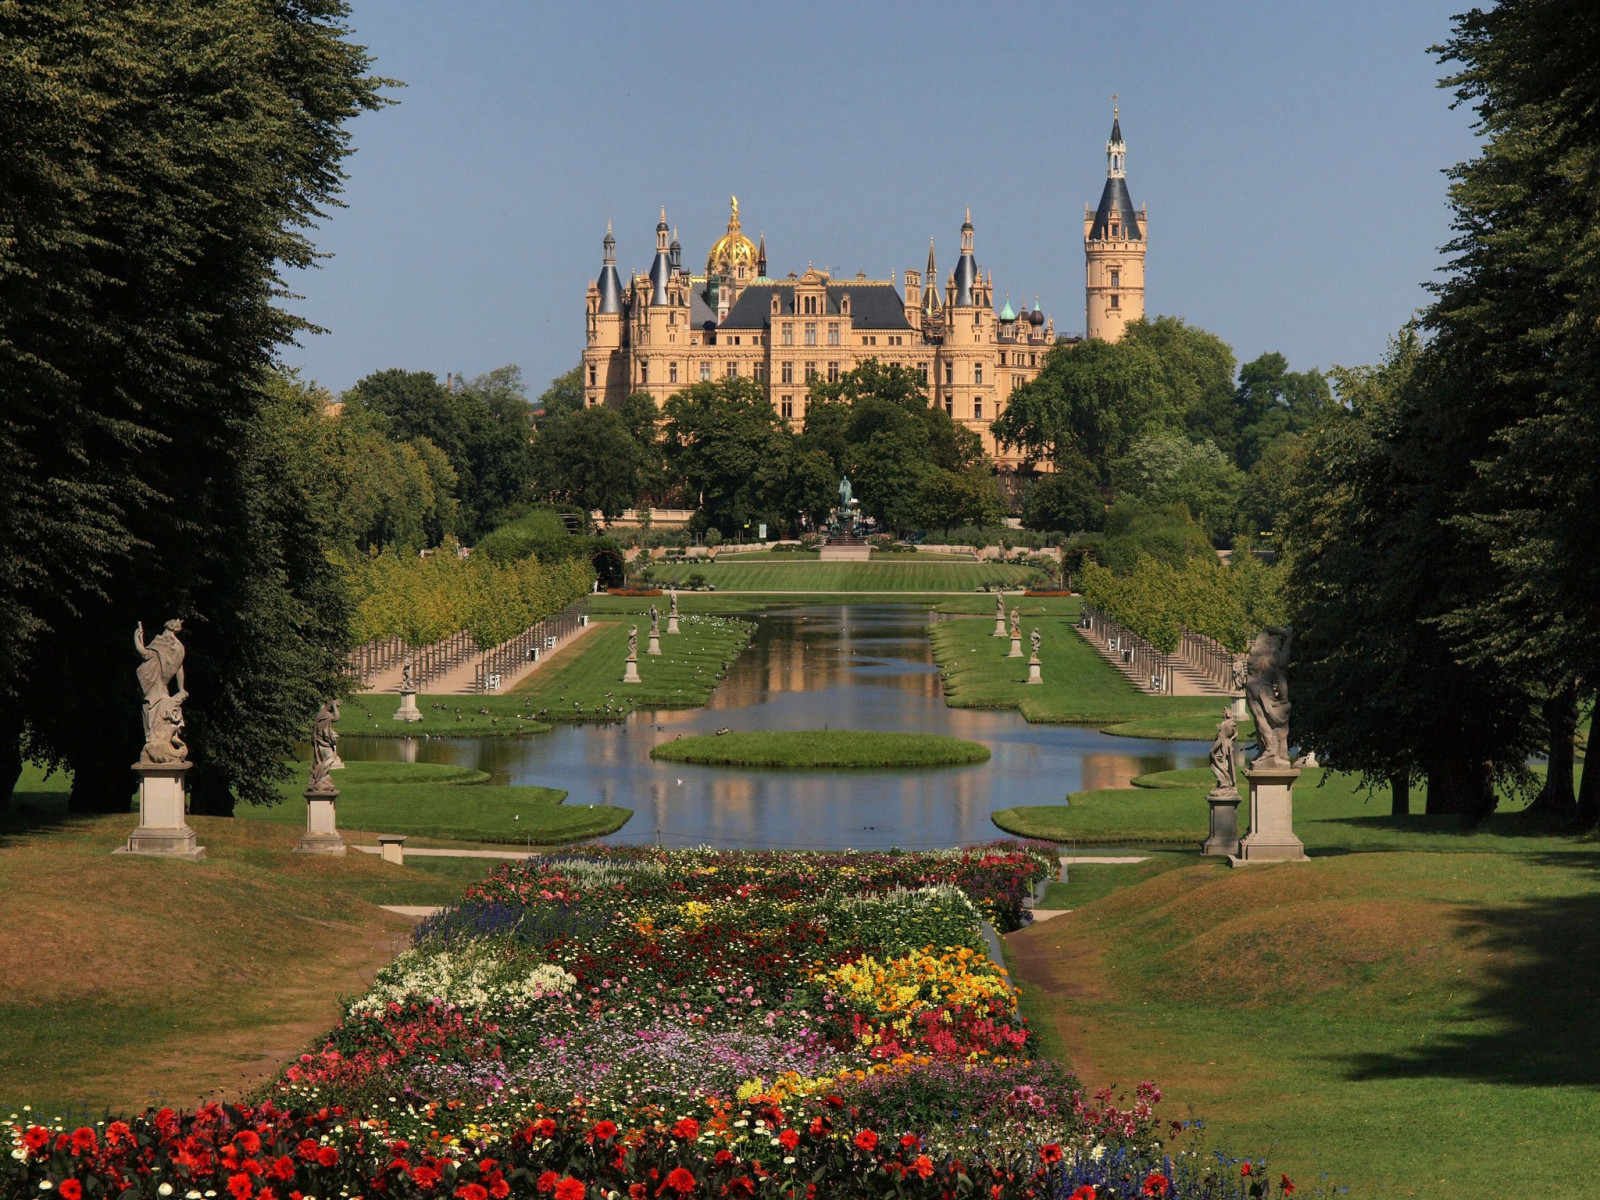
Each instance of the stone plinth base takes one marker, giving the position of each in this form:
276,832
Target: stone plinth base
322,830
1271,837
408,708
1016,648
672,625
631,675
392,848
655,644
1224,839
163,830
1033,673
1000,627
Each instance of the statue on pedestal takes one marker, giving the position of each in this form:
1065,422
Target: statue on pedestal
673,611
406,685
633,641
846,494
164,760
1222,756
161,664
324,750
1266,692
1016,624
655,622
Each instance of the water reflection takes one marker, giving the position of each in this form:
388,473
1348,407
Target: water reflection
856,667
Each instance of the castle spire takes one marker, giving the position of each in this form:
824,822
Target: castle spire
609,283
661,268
966,277
1116,150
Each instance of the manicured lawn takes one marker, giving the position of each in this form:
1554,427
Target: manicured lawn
823,748
126,981
941,602
776,576
1182,729
1333,814
495,715
1079,686
581,682
1413,1023
436,801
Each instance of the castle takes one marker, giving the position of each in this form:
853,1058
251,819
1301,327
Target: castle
671,327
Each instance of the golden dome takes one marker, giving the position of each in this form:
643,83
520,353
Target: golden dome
732,251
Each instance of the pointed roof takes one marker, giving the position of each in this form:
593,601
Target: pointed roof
609,283
1005,313
1116,202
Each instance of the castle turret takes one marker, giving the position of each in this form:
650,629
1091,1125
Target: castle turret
967,278
610,283
604,365
1114,242
661,268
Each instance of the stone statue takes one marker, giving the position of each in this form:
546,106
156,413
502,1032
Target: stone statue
1035,639
673,611
163,739
1266,693
1000,608
1016,624
406,684
655,621
161,664
1222,756
633,641
324,749
846,492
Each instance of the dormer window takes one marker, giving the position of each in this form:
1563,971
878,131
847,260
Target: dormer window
1116,229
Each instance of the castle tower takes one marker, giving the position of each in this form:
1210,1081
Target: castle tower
1114,240
604,369
661,268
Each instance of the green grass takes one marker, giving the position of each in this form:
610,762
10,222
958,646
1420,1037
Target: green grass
499,714
1181,729
1333,813
580,682
823,748
768,556
1413,1024
776,576
1080,687
941,602
436,801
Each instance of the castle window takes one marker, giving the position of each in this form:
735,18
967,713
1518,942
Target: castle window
833,333
923,367
741,272
733,370
1114,300
705,372
977,372
949,373
788,372
1116,278
811,333
1115,229
833,372
977,408
644,372
672,372
758,371
1033,360
591,374
787,408
949,406
811,371
788,333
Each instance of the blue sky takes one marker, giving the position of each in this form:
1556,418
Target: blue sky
1290,156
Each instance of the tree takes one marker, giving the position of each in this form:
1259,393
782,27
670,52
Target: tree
729,448
562,398
1165,533
591,458
1197,367
162,165
1068,500
946,499
1271,401
1265,497
1167,468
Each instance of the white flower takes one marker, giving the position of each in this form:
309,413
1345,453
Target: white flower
789,1161
164,1190
45,1185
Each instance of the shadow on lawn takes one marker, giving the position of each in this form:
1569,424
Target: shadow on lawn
1534,1021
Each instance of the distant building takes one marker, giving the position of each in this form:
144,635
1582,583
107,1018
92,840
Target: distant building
670,327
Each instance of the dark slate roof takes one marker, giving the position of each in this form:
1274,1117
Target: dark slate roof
966,278
1115,198
660,272
872,305
701,314
1116,130
610,285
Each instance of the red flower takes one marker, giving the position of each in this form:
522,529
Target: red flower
678,1180
636,1191
327,1156
424,1177
910,1140
281,1168
866,1140
571,1189
1156,1184
922,1166
547,1181
499,1189
36,1138
688,1129
1086,1192
83,1141
1244,1168
246,1139
70,1189
722,1157
307,1149
472,1191
1050,1153
118,1132
544,1127
1286,1185
605,1131
789,1139
834,1101
240,1187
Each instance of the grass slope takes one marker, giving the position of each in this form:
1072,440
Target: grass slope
127,980
776,576
1414,1024
432,800
1079,686
578,684
823,748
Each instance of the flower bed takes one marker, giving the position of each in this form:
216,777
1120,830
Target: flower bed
668,1025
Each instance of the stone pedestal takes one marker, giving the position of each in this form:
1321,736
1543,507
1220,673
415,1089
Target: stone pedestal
392,848
1241,711
1271,837
1224,839
672,624
1016,648
1000,627
408,708
655,644
1033,671
631,675
163,830
322,830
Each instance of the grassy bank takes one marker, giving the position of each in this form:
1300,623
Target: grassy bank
779,576
1414,1024
584,683
126,981
496,715
1079,686
823,748
432,800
